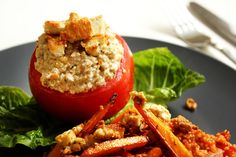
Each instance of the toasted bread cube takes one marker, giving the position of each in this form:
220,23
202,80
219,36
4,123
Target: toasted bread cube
53,27
78,28
98,25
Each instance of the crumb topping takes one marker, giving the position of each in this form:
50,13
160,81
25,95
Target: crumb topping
77,55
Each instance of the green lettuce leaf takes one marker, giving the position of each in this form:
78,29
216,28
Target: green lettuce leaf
162,76
160,95
22,121
12,97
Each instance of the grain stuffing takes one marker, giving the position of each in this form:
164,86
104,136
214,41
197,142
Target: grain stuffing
77,55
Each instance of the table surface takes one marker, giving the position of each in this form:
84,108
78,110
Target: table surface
22,21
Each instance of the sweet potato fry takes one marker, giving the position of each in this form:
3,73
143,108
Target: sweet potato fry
163,131
93,121
114,146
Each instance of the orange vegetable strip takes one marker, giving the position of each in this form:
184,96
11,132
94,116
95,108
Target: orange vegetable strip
113,146
120,117
117,119
99,115
55,152
163,131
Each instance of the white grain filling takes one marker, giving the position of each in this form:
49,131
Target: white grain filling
80,66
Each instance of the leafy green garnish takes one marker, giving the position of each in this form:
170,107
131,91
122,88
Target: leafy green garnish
162,76
22,121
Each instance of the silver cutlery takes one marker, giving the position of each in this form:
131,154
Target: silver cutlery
185,29
214,22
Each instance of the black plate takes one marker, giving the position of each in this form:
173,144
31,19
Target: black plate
215,98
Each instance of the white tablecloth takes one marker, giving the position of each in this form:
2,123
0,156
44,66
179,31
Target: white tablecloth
22,20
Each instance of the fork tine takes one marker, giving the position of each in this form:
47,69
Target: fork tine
180,18
185,28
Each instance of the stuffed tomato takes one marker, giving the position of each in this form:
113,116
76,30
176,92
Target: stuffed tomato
77,66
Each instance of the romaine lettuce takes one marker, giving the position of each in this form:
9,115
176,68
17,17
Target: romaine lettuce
162,76
22,121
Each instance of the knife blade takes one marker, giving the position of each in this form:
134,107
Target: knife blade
214,22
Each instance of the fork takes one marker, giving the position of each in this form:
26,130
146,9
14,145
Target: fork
182,22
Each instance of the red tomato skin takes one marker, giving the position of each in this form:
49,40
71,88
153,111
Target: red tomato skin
81,106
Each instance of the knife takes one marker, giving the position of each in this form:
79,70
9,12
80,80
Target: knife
214,22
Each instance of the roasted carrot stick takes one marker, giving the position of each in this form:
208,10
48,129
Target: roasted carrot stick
163,131
114,146
93,121
55,152
117,119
